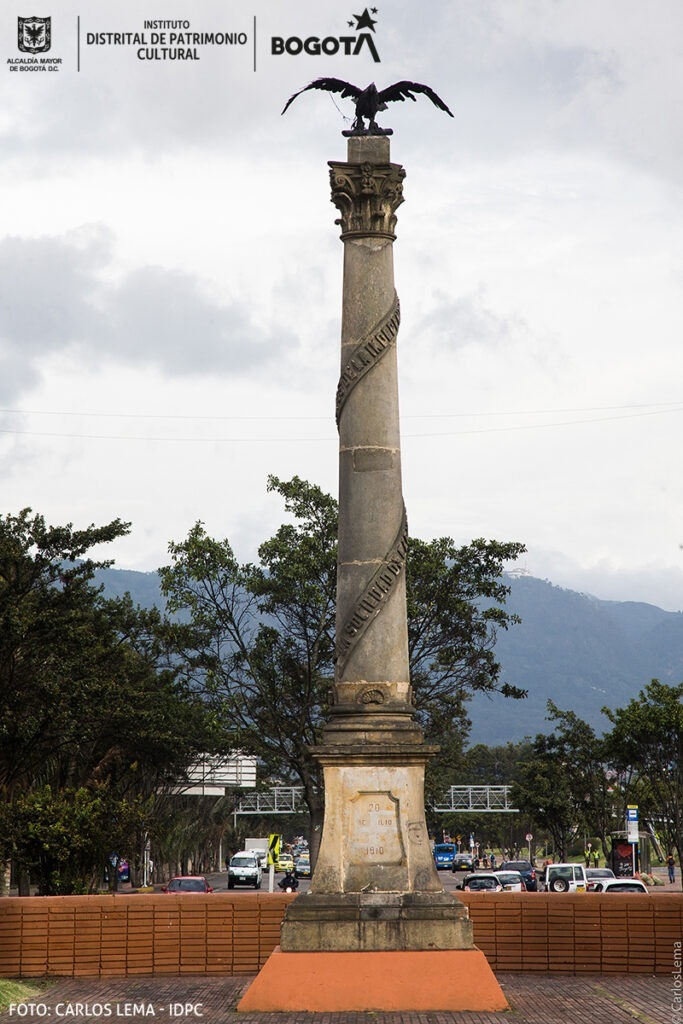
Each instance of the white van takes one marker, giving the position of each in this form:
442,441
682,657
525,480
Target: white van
244,869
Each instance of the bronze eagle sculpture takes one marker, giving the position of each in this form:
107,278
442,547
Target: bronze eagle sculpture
370,101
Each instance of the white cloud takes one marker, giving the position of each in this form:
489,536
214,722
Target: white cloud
169,258
57,295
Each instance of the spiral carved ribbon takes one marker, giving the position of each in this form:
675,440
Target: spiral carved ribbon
368,353
365,356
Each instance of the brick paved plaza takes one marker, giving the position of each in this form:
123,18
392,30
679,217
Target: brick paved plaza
543,999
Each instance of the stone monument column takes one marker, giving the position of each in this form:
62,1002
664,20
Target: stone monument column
376,931
375,885
372,671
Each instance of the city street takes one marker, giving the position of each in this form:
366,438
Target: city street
450,881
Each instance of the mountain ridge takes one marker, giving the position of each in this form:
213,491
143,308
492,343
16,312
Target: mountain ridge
579,651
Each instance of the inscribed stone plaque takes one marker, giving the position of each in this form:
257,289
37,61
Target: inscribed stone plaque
372,829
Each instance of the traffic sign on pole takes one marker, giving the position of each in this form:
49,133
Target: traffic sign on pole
632,831
274,842
632,823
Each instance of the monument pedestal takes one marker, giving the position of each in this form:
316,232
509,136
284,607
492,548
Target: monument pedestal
335,982
376,922
374,837
377,931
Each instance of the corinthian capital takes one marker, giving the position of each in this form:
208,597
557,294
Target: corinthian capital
367,195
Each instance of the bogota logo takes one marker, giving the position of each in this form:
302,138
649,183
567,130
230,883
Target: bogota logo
364,25
35,34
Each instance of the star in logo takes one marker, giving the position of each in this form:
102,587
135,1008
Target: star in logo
365,21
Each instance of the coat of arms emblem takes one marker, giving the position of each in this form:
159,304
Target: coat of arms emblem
34,34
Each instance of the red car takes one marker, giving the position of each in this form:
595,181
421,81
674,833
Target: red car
187,883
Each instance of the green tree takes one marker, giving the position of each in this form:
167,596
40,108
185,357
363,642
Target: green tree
547,791
646,741
587,756
89,694
456,604
261,637
63,838
44,592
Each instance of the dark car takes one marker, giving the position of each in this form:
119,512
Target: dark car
462,862
187,883
526,870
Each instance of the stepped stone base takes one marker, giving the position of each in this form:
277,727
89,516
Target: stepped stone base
376,921
404,980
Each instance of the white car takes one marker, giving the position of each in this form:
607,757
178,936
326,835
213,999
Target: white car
244,869
511,881
620,885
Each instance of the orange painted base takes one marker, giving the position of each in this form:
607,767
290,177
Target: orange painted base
448,979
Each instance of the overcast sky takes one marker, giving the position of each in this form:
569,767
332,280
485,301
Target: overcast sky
170,276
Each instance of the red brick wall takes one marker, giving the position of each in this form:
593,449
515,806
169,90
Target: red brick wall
234,933
577,933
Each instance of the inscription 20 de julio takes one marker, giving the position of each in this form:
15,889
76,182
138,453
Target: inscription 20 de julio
374,831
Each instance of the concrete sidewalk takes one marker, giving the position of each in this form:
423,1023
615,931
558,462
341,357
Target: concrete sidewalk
534,999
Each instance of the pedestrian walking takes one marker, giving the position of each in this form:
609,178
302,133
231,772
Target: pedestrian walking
671,866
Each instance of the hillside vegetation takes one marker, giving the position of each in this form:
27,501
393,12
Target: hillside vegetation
580,652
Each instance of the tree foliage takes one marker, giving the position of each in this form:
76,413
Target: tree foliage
545,792
63,837
646,748
261,636
567,783
576,780
91,704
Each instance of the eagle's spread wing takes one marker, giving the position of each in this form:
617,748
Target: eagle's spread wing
405,90
330,85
